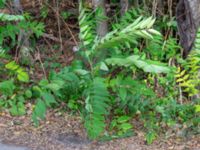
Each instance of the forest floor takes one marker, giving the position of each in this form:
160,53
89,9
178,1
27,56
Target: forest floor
62,131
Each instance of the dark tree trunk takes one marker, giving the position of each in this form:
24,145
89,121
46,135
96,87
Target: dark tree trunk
188,18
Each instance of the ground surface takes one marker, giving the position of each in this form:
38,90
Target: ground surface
11,147
64,132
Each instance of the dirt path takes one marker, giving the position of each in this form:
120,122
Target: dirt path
64,132
10,147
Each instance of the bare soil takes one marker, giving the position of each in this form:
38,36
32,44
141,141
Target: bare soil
66,132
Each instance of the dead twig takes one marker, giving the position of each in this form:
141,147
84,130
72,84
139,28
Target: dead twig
69,30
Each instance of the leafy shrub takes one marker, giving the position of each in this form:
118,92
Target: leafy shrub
13,25
189,78
97,92
13,78
12,93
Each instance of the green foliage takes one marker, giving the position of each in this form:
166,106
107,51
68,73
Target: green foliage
127,18
125,75
44,98
18,106
63,86
131,95
11,90
67,80
150,137
2,3
197,108
7,87
161,49
12,98
125,94
7,17
121,125
117,38
96,105
9,31
97,95
87,29
17,70
141,63
188,78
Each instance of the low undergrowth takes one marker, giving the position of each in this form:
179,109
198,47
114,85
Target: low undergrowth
112,80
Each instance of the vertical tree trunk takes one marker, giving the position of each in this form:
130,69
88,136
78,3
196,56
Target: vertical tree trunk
188,19
23,46
170,6
157,8
124,6
160,7
17,6
186,28
154,7
102,26
136,3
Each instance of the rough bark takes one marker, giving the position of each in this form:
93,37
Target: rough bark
23,46
136,3
102,26
124,4
17,6
188,18
160,7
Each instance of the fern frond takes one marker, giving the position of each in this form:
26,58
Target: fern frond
137,61
2,52
127,18
86,24
187,81
7,17
68,82
189,78
97,107
117,38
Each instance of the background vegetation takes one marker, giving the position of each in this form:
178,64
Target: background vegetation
115,64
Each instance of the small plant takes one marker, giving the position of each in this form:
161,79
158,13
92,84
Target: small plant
9,31
189,78
44,99
96,90
15,69
121,125
12,93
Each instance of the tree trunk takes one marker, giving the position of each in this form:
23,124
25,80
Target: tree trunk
136,3
188,18
161,7
124,6
23,46
102,26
